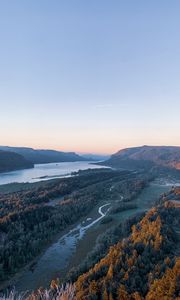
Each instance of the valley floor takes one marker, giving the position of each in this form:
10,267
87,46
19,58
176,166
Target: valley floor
73,246
66,221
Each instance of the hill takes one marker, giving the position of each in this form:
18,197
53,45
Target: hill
146,265
44,156
146,157
12,161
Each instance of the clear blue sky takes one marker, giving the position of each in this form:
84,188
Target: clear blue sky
89,76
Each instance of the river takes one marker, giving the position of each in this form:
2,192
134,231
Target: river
46,171
57,255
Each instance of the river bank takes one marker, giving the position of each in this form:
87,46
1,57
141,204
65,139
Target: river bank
45,172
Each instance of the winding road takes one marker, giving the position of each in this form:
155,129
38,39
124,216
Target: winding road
102,215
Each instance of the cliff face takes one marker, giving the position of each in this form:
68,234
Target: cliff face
146,157
10,161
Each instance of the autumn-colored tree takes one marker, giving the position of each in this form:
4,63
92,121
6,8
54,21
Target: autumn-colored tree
93,288
105,295
111,297
167,261
130,262
136,296
166,287
110,272
122,293
55,284
126,276
136,268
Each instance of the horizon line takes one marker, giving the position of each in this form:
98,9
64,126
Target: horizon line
88,152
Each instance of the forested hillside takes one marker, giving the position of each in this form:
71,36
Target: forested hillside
12,161
27,223
146,157
44,156
146,265
142,266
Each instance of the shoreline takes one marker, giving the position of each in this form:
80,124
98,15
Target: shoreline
45,172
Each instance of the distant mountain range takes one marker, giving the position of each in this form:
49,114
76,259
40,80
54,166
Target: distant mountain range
44,156
96,157
10,161
15,158
146,157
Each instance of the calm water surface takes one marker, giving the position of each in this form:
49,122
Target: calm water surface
45,172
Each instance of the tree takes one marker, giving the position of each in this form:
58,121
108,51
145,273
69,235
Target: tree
105,295
122,293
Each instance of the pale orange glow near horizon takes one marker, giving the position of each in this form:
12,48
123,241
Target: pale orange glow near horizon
89,141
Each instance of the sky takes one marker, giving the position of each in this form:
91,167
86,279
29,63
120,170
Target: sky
89,76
